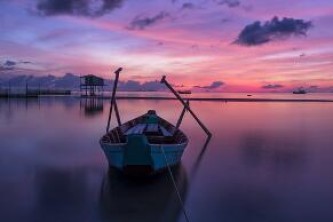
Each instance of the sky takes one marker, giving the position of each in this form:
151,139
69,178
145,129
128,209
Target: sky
220,45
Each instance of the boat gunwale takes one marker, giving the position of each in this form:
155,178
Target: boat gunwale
140,118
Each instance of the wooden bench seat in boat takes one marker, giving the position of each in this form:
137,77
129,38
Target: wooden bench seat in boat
137,129
164,131
151,128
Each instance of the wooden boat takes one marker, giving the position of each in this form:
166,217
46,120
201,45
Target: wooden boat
145,144
299,91
148,143
184,91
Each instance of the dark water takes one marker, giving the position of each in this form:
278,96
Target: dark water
266,162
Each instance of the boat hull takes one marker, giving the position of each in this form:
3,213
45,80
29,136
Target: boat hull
158,157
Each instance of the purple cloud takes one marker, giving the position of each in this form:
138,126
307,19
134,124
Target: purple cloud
140,23
258,33
188,5
229,3
7,66
90,8
272,86
213,85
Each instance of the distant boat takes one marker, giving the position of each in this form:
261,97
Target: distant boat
184,91
299,91
139,145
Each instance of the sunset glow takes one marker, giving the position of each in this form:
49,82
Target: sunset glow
193,42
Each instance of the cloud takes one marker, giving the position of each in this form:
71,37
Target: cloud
140,23
272,86
188,5
213,85
132,85
10,63
258,34
153,85
91,8
229,3
7,66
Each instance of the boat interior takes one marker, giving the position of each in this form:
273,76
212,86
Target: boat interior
156,129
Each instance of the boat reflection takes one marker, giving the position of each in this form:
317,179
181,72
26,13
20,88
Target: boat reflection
142,199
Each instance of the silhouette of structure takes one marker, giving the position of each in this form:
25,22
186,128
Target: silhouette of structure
91,85
92,106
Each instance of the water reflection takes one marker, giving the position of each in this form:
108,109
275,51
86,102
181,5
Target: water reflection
241,202
57,188
91,106
68,103
10,106
280,152
150,200
197,163
270,163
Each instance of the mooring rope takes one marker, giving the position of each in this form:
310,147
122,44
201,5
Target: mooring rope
175,186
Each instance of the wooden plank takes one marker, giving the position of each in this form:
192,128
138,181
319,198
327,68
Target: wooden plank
152,127
164,131
123,128
137,129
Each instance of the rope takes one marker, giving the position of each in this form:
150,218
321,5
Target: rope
175,186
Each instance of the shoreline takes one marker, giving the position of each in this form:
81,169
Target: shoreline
207,99
217,99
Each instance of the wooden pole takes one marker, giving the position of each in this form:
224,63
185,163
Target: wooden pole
181,117
117,112
113,96
163,80
26,88
9,88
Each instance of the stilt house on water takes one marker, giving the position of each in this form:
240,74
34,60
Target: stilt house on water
91,85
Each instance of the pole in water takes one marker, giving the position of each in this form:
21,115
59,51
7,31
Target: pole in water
117,112
113,96
163,80
181,117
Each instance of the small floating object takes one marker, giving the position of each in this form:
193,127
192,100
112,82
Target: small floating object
248,95
299,91
184,91
146,144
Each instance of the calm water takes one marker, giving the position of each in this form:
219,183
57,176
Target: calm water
309,96
268,161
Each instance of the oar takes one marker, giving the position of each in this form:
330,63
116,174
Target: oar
163,80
